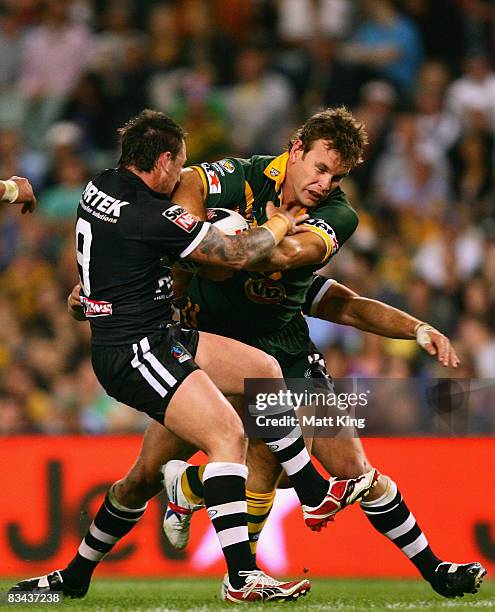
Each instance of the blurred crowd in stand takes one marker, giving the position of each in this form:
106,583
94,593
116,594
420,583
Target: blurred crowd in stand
240,75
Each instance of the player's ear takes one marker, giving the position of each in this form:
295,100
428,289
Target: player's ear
164,160
296,150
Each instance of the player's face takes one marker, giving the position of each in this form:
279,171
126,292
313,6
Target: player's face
311,176
174,168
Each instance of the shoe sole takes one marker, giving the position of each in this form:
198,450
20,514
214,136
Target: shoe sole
323,523
290,597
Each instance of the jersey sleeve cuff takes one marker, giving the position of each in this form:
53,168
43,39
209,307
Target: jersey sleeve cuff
199,237
326,239
318,297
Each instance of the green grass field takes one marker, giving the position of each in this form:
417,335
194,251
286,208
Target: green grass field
203,596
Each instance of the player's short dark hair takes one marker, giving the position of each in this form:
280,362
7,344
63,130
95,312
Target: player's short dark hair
337,125
146,136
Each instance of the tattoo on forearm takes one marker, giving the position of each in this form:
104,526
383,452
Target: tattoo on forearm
240,251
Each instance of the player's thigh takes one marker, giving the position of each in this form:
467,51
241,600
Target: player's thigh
158,375
228,362
341,457
199,414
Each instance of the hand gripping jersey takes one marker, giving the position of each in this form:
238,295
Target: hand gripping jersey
123,229
251,305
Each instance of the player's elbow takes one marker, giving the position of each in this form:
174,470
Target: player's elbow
239,264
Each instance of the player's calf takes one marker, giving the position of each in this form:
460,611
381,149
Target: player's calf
112,522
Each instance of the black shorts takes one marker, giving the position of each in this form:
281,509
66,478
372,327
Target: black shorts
145,375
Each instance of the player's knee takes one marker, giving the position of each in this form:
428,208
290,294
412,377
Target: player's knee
352,466
229,440
269,367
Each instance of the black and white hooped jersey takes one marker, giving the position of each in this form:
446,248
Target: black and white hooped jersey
123,229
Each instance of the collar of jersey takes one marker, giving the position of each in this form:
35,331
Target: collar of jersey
138,179
278,167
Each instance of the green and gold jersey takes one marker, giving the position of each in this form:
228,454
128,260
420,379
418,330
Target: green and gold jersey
251,304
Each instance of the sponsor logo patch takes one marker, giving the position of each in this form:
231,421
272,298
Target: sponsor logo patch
264,290
274,172
213,182
95,308
179,353
180,217
227,165
218,168
328,229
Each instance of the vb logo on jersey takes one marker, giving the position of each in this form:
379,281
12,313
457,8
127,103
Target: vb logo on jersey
264,290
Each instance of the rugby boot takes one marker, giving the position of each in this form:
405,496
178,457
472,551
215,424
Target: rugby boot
456,579
53,582
341,493
260,587
178,515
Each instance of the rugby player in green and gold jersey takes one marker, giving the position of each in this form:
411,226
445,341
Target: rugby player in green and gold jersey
263,307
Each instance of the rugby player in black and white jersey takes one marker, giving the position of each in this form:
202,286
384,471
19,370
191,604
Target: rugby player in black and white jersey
126,223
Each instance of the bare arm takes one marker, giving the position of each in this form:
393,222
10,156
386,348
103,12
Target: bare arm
234,252
243,250
293,252
190,193
341,305
74,305
18,190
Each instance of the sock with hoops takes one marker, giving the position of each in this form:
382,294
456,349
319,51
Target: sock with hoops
225,499
192,483
293,456
259,506
112,522
391,517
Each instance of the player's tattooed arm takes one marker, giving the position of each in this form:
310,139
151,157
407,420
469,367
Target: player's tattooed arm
244,250
235,252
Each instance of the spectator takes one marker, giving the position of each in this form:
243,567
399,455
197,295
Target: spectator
258,105
12,43
474,91
386,45
54,59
